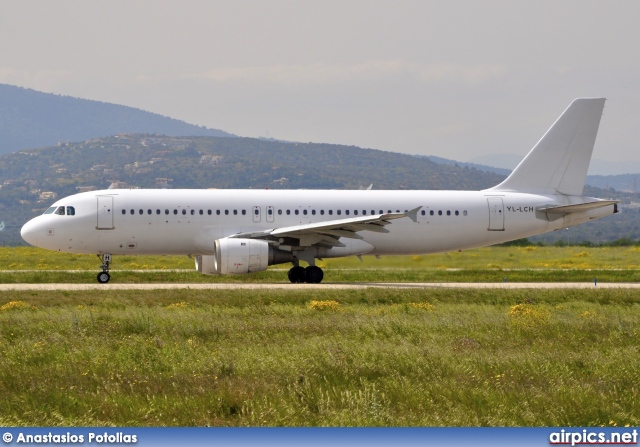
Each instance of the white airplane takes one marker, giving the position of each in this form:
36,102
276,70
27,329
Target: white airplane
244,231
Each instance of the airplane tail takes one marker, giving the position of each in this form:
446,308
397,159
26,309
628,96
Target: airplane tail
558,163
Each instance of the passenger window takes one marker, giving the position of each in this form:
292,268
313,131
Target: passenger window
141,212
209,212
149,212
339,212
244,212
193,212
50,210
431,213
235,212
464,213
448,213
226,212
166,212
296,212
313,212
322,212
440,213
157,211
457,213
288,212
124,212
424,213
184,212
304,212
201,212
280,212
347,212
175,212
270,212
132,212
256,211
71,211
330,212
381,212
355,212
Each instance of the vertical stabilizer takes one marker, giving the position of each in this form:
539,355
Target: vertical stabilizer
558,163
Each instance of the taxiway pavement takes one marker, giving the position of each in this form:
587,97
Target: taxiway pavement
322,286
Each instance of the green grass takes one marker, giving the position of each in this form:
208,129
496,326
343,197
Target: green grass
379,357
506,258
492,264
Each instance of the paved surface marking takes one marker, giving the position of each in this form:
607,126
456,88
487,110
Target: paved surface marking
323,286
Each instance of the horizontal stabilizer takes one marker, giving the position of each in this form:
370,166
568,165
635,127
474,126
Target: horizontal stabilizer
580,207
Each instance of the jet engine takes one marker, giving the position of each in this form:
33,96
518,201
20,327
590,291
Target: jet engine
235,256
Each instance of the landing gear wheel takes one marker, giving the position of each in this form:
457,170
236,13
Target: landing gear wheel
296,275
313,274
103,277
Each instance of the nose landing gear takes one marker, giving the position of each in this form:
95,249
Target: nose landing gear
104,276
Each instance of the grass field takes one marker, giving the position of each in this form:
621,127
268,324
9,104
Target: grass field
357,358
493,264
369,357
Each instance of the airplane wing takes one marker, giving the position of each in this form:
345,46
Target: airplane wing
329,232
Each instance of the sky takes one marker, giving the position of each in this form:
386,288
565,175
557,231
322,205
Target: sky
459,79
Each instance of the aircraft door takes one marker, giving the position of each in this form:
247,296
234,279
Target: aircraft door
255,212
496,214
270,214
105,213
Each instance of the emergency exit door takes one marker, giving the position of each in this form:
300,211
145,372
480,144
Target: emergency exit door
496,214
105,213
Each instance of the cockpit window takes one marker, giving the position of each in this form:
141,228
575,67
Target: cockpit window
61,210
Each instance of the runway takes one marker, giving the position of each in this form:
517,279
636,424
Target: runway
322,286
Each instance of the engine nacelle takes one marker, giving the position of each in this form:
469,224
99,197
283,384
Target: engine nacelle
235,256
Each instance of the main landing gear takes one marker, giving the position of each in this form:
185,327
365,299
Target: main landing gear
104,276
311,274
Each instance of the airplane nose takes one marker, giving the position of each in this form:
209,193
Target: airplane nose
30,232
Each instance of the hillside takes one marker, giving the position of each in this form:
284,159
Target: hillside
32,119
213,162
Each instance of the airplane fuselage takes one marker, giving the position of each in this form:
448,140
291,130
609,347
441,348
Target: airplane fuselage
143,222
